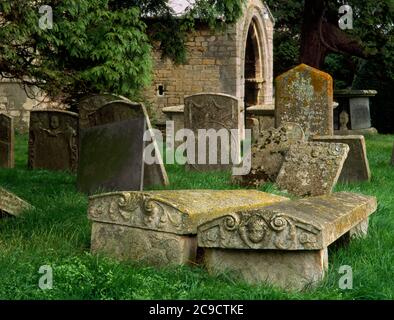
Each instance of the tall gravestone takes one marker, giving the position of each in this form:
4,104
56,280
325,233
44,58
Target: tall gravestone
111,156
88,105
6,141
218,113
121,110
392,157
53,140
304,95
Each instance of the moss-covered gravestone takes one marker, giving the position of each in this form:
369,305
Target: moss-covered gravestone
312,168
53,140
6,141
304,95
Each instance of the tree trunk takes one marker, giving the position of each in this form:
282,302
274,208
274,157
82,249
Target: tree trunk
320,35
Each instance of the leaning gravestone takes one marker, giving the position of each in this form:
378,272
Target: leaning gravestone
312,168
111,157
53,140
219,114
88,105
356,166
268,153
11,204
304,95
154,174
6,141
284,244
159,227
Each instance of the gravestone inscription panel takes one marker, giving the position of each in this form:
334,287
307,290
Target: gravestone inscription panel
6,141
53,140
214,120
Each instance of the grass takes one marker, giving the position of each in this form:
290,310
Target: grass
57,233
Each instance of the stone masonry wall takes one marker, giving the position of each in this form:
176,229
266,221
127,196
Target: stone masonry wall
215,63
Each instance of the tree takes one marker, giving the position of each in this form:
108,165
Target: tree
95,45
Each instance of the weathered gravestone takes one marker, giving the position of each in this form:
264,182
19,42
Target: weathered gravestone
304,95
159,227
154,174
6,141
215,122
356,166
53,140
111,157
11,204
392,157
268,153
312,168
88,105
284,244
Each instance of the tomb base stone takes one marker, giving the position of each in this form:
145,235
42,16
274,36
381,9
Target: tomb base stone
145,246
289,270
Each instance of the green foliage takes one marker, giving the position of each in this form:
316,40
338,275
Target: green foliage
57,233
96,46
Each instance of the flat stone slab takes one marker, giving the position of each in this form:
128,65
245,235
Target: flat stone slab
356,166
268,154
304,95
284,244
12,204
173,211
312,168
6,141
306,224
159,227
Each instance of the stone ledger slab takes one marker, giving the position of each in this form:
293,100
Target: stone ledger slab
356,166
53,140
6,141
312,168
304,95
119,110
12,204
165,221
284,244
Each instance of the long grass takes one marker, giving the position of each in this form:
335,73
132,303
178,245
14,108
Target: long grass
57,233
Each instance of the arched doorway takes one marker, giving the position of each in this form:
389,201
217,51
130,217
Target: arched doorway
253,67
